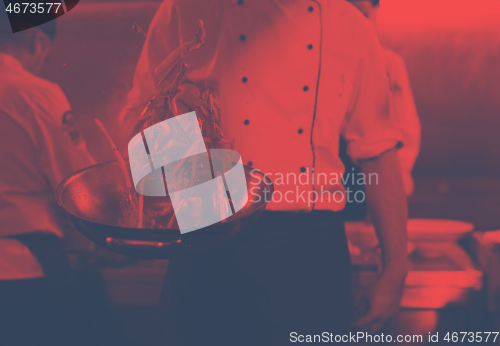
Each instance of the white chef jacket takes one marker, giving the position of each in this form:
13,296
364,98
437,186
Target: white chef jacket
292,76
404,113
40,146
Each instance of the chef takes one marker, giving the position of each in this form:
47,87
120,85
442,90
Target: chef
293,77
404,115
404,111
40,145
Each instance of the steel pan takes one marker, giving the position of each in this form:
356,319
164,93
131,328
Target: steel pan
93,200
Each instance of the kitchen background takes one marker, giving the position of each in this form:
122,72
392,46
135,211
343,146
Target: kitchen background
452,51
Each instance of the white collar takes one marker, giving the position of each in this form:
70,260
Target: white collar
11,62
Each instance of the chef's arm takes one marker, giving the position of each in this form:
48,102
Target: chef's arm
387,205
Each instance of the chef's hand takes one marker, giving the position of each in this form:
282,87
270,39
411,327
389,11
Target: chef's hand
381,302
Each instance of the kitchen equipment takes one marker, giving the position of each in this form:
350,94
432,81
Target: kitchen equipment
486,248
440,271
426,236
432,283
437,230
432,236
419,230
93,200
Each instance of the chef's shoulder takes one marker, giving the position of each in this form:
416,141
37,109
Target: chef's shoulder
350,26
38,106
396,66
392,57
26,97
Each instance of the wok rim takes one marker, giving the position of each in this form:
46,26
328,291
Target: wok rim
64,183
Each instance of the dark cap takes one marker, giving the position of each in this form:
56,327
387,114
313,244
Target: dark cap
9,28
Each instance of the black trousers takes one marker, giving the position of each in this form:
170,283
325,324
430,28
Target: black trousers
43,311
291,275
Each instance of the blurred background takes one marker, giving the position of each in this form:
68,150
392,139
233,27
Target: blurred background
452,52
451,49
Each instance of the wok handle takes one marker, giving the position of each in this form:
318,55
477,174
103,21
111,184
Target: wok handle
141,243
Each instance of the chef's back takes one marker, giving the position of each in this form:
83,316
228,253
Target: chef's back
41,145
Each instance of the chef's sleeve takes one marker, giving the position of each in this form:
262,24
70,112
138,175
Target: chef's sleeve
22,188
19,174
404,114
368,128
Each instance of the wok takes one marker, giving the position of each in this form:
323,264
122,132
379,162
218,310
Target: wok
93,200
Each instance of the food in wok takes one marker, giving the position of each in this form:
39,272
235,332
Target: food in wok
176,92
